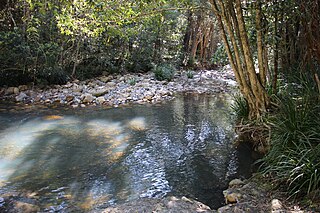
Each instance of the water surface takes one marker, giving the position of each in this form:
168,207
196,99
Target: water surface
88,159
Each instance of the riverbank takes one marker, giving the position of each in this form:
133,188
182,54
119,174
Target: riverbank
251,195
121,89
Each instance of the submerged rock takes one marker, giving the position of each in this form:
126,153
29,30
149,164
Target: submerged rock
22,207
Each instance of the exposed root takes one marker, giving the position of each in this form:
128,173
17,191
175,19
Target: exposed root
257,134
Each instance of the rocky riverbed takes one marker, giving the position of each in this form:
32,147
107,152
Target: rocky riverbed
121,89
248,196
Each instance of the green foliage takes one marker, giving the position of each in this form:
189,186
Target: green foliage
190,74
220,57
55,39
164,72
132,81
295,140
240,107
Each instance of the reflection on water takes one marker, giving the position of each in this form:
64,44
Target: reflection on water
91,158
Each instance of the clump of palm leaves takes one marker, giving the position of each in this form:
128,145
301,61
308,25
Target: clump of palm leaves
294,157
132,81
240,107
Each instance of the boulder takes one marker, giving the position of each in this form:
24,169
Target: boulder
12,91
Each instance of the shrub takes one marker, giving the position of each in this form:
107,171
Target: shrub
220,57
240,107
190,74
132,81
52,75
293,159
164,72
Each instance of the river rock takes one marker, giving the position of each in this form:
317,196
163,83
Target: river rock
2,202
23,87
100,100
276,206
77,88
21,97
251,197
111,84
105,79
69,98
12,91
99,92
87,98
232,197
115,91
236,182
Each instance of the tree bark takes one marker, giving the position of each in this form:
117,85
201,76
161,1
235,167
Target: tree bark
234,34
260,46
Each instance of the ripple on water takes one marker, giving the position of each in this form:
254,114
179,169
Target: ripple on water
99,157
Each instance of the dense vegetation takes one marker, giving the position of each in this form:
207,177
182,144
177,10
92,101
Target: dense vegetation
49,42
273,48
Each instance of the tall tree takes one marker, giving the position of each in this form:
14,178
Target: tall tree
234,32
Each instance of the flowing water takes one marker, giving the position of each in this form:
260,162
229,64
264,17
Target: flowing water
88,159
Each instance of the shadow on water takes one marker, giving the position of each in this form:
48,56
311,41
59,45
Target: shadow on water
92,158
64,160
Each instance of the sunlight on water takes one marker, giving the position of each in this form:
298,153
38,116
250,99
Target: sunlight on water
15,139
104,128
101,157
137,124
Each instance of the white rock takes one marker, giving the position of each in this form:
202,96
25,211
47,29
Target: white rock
21,97
276,205
236,182
100,100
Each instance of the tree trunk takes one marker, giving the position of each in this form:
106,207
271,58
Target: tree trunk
261,61
231,23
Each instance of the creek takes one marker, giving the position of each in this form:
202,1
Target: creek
88,159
